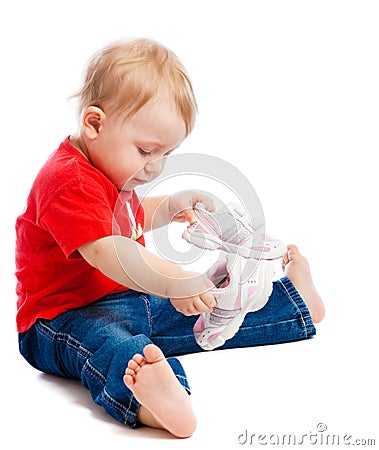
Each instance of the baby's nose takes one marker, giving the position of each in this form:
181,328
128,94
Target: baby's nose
154,167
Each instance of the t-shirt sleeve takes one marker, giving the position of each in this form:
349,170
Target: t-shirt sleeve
77,214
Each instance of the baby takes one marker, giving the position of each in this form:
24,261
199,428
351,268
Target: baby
93,302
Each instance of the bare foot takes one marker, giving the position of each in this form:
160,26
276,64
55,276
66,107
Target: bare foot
164,402
296,267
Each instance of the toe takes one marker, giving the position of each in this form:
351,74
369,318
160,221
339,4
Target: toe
293,251
133,365
130,372
128,380
153,353
285,261
138,359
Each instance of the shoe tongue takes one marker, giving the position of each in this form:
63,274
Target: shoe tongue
223,282
218,272
248,270
233,262
241,268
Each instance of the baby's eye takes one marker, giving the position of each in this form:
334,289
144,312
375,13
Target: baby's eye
144,152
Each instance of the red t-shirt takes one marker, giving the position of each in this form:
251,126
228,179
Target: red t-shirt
70,204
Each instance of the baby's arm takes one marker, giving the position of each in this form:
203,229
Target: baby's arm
160,211
128,263
156,212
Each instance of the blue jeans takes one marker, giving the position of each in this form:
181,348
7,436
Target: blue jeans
95,343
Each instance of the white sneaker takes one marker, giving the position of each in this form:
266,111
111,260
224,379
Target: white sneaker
242,286
228,229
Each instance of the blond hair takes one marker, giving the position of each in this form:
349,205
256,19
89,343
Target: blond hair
124,76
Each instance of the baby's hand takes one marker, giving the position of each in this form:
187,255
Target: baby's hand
181,205
192,305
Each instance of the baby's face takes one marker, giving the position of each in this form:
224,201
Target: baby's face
127,152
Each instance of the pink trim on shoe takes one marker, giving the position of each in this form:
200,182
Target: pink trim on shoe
228,229
199,326
247,291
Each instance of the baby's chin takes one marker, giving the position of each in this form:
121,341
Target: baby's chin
133,183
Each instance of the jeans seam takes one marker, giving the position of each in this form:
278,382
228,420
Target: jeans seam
125,411
87,367
64,337
93,372
297,307
181,376
148,311
97,375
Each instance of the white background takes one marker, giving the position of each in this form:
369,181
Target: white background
288,93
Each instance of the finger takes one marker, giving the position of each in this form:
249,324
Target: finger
208,299
179,218
194,309
189,215
187,312
200,307
208,203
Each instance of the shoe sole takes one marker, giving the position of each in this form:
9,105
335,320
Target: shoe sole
265,280
208,242
200,240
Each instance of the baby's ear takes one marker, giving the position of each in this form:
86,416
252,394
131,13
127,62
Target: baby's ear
92,120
